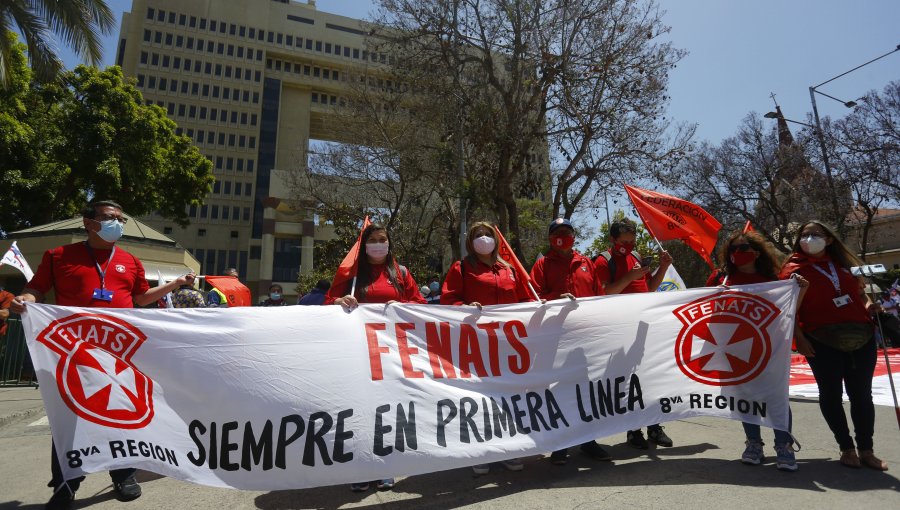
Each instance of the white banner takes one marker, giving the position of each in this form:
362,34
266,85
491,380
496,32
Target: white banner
294,397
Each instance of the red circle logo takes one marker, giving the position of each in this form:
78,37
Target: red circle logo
724,340
95,375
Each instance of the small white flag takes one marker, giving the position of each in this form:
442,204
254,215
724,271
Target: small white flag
167,299
671,281
15,259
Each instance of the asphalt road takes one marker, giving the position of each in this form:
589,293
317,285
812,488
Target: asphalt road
702,470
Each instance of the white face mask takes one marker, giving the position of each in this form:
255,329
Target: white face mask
110,230
812,244
377,250
484,245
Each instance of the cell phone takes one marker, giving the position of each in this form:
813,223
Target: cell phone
646,261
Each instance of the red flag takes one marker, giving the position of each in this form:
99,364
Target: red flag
748,227
235,292
669,218
347,270
505,252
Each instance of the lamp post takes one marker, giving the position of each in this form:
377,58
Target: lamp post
821,136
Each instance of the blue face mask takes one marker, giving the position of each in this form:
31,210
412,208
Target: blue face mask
434,286
110,230
274,296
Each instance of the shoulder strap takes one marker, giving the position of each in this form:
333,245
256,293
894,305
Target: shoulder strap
610,263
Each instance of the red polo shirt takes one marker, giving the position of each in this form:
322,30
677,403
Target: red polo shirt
489,285
71,271
818,308
555,274
624,263
381,290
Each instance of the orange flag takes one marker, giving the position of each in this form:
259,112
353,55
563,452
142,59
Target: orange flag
505,252
236,292
669,218
347,270
748,227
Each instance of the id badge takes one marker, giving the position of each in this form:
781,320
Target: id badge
841,301
103,295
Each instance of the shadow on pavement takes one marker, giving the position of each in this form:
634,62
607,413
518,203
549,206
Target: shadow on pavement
460,487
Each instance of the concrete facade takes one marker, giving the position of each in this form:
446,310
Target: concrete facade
250,82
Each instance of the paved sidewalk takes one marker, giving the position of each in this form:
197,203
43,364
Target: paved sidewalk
703,470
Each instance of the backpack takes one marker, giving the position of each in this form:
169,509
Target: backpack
611,263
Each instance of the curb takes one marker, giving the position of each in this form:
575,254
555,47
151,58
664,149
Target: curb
19,415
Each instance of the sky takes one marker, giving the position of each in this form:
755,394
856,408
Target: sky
740,52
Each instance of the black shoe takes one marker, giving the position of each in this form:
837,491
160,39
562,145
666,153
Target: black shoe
127,489
61,499
559,457
595,451
636,439
659,436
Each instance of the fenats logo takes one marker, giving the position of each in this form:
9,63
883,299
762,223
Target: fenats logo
724,340
95,375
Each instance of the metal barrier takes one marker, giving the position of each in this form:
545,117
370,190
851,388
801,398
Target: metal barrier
15,362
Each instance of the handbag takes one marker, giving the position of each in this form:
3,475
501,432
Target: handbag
846,336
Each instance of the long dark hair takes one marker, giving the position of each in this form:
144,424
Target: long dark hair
364,269
837,250
767,264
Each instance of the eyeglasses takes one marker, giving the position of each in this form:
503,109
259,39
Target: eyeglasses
739,247
121,219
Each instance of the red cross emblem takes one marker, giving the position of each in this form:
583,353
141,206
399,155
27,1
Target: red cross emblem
95,375
724,340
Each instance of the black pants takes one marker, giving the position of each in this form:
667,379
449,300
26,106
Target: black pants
117,475
834,369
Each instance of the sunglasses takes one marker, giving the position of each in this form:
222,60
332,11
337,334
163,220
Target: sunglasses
739,247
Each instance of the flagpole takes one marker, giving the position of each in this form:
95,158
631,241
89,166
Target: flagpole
887,360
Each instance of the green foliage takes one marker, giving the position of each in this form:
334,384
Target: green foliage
87,136
306,281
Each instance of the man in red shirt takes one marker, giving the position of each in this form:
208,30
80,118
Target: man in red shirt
94,273
564,272
629,276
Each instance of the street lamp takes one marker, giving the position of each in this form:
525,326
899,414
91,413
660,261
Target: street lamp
774,115
821,137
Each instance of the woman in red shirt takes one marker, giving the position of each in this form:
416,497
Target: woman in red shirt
834,331
379,279
483,278
750,259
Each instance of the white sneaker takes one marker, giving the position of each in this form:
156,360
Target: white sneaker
513,464
482,469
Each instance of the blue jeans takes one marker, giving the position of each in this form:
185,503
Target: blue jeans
781,436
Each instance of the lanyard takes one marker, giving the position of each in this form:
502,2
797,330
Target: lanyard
101,272
832,275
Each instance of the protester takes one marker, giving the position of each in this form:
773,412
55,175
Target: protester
834,331
6,298
750,259
186,296
216,298
483,278
434,291
276,296
316,296
379,279
565,273
621,270
93,273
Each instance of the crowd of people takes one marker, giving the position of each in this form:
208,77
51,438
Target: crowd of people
834,329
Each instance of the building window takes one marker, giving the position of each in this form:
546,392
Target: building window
286,260
154,59
225,212
214,213
201,232
249,187
150,12
237,186
229,165
234,233
246,215
192,22
167,230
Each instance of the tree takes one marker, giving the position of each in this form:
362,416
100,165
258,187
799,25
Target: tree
758,175
78,23
89,135
516,76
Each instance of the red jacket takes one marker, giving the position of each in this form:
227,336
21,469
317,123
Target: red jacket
381,290
488,285
624,263
818,308
555,274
